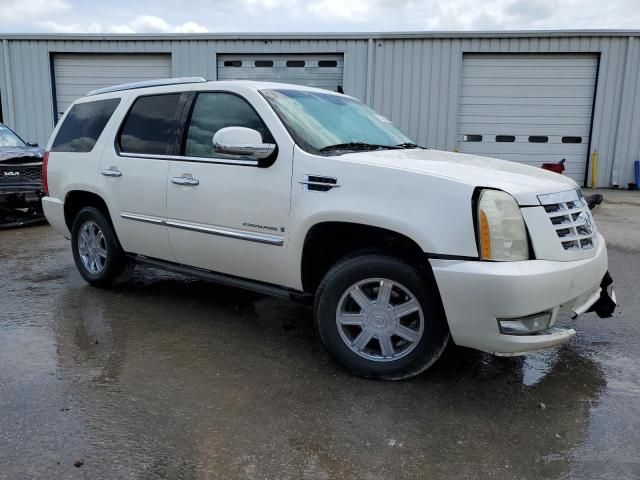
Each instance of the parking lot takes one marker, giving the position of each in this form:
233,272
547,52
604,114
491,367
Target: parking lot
170,377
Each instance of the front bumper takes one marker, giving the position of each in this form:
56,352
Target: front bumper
20,195
476,294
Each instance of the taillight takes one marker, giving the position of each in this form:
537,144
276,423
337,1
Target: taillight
45,163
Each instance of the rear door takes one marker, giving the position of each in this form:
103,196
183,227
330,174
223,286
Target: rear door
233,215
133,173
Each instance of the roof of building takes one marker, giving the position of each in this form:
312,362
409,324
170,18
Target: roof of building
324,36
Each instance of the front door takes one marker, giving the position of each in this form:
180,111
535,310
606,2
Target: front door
228,216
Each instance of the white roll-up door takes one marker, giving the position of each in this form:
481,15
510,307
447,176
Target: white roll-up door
312,70
76,74
529,108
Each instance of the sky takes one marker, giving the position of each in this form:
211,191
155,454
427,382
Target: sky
201,16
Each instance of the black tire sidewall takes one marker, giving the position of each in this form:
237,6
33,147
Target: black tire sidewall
352,270
115,257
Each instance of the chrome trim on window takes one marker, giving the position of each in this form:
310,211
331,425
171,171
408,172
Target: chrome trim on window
219,231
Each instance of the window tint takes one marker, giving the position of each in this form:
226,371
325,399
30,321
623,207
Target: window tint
83,125
151,125
505,138
213,111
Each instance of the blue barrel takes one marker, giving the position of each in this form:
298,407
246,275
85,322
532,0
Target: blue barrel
636,167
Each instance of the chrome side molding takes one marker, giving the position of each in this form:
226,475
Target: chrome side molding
256,237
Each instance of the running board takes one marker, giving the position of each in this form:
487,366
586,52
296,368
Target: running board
223,279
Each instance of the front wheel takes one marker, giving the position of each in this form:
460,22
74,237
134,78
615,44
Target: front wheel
380,317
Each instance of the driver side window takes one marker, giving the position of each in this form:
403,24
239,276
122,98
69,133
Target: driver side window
213,111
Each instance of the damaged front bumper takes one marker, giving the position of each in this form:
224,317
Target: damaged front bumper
606,302
485,301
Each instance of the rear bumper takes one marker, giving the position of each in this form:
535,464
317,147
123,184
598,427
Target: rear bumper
476,294
54,212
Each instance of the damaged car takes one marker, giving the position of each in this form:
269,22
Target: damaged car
20,180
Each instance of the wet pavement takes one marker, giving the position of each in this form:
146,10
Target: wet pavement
169,377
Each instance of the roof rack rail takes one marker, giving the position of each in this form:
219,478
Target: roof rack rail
147,83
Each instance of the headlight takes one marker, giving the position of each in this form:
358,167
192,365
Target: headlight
502,235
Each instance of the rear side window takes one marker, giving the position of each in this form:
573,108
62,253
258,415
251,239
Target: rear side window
216,110
151,125
83,125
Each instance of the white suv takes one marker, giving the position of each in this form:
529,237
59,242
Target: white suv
311,195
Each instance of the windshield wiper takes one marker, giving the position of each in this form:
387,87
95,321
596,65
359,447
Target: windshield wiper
408,145
358,146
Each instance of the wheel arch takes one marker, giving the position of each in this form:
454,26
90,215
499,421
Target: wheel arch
76,200
326,242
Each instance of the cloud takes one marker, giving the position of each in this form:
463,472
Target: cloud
20,10
354,10
55,27
140,24
122,16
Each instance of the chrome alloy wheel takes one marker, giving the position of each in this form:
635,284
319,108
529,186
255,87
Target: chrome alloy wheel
92,247
379,319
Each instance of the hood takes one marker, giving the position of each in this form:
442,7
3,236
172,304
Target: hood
13,155
524,182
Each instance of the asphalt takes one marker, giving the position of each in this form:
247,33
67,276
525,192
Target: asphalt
169,377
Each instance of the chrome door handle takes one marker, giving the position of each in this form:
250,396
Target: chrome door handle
186,179
112,172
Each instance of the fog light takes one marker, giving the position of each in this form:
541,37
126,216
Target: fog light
526,325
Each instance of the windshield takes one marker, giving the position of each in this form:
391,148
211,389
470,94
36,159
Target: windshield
9,139
325,123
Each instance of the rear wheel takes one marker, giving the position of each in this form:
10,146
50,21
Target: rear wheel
380,318
96,250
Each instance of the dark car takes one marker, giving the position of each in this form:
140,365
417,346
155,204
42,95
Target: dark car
20,179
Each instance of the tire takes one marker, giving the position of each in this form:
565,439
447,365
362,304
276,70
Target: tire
396,331
101,263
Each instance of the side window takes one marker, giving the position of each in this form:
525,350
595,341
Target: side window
83,125
216,110
151,126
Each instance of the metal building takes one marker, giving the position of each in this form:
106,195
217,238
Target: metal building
530,97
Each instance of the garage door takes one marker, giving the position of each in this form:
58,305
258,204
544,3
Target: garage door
77,74
528,108
322,71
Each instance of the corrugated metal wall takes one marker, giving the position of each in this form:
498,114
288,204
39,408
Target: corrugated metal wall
413,81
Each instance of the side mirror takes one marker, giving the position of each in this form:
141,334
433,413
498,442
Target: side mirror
242,142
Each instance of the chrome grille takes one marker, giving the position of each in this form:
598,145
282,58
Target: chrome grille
570,216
